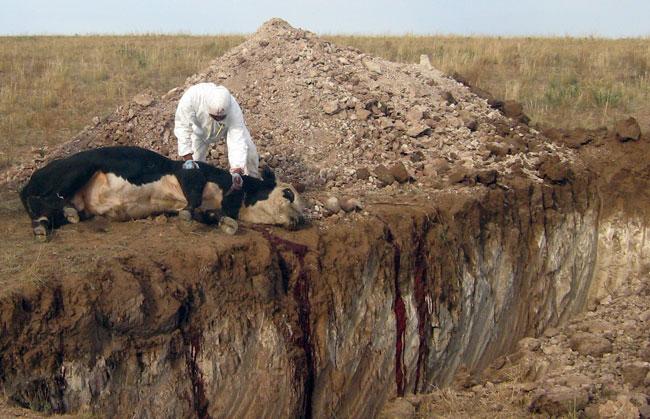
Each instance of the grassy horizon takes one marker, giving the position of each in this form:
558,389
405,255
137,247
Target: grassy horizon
52,86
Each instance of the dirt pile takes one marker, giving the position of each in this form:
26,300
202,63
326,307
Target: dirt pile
337,120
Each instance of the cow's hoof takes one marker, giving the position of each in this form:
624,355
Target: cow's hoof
228,225
40,234
71,215
185,215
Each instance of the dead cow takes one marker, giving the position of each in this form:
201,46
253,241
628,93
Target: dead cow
125,183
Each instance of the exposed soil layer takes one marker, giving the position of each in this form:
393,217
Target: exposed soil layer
596,366
476,231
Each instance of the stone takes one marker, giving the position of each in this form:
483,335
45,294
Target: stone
143,99
425,62
645,316
362,114
559,401
414,115
416,156
362,173
536,370
528,344
574,380
471,124
550,332
458,174
556,171
616,409
589,344
400,125
331,108
515,110
598,326
384,175
351,204
385,123
627,130
460,79
441,165
512,108
417,130
332,204
449,98
487,177
429,170
372,66
469,121
635,373
400,173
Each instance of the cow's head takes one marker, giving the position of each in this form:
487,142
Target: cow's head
270,202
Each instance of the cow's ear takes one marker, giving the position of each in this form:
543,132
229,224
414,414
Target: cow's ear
268,176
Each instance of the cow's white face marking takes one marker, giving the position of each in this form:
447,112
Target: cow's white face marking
116,198
278,209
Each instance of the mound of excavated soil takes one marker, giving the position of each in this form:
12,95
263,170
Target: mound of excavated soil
338,121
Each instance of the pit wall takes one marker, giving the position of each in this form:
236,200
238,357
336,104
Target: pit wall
623,250
315,324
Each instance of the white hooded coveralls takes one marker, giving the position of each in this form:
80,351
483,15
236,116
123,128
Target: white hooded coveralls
196,130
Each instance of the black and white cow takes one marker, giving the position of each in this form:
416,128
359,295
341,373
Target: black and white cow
125,183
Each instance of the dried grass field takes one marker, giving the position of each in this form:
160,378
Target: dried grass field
52,86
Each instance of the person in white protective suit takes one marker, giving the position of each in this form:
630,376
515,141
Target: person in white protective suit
206,113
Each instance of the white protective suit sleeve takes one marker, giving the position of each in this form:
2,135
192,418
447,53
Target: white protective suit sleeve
237,137
184,121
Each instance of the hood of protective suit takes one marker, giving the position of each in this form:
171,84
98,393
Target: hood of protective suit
218,102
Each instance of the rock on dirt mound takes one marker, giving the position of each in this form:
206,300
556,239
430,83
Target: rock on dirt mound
319,113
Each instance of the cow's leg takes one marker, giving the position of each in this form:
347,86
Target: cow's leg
228,225
71,215
230,207
46,213
211,216
185,214
207,216
41,227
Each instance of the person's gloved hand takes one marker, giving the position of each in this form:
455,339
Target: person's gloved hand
237,180
190,164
